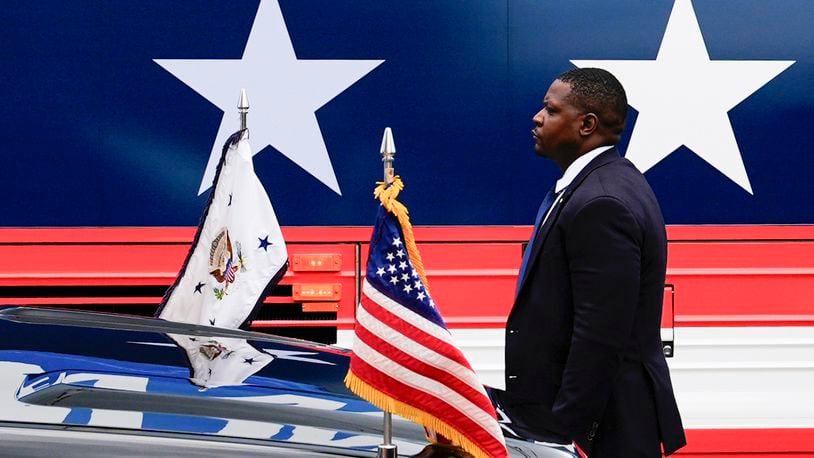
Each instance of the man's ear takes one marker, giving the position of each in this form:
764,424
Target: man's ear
590,122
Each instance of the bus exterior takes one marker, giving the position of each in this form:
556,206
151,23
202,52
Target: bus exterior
114,116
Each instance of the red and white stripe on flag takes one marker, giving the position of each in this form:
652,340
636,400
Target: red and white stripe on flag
404,360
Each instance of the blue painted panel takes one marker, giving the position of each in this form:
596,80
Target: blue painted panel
95,133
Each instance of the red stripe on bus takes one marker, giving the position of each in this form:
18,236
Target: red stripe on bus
751,443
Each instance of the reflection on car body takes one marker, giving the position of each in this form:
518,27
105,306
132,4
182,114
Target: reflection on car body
106,385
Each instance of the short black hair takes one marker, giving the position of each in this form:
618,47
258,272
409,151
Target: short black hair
597,91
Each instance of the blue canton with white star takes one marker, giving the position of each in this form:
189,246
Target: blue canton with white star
390,271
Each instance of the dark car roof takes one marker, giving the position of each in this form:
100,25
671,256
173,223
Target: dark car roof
73,370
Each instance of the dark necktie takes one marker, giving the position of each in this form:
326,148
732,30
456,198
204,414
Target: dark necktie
548,200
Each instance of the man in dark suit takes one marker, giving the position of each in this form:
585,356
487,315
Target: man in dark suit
584,359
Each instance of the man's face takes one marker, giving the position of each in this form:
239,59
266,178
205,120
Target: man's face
556,126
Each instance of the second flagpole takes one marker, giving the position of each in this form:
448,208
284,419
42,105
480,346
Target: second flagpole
388,150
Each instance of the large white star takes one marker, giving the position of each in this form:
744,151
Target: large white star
284,93
683,97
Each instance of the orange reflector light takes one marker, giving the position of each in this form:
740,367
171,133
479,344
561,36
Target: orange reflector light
316,262
316,291
320,307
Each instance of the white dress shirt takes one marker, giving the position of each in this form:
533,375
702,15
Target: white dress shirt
573,170
570,173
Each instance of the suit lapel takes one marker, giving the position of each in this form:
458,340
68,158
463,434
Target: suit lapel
559,204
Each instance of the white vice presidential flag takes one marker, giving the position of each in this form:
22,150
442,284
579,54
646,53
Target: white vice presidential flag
238,251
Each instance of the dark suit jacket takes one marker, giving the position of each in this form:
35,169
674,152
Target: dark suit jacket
584,356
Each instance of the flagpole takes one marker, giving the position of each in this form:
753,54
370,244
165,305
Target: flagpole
388,151
243,108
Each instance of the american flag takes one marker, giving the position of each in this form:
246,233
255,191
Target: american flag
404,360
229,271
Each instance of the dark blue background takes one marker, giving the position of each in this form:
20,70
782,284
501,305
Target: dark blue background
94,133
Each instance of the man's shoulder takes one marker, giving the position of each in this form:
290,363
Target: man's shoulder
617,180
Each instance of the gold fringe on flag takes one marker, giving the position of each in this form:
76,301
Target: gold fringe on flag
388,404
387,196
